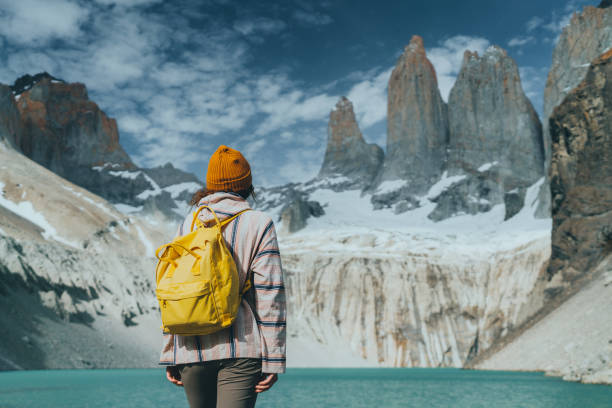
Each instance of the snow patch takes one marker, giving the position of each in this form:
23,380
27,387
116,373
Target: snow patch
130,175
390,186
333,180
487,166
127,209
176,189
442,184
26,210
106,165
156,190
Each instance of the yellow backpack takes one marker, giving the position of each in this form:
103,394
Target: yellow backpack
197,280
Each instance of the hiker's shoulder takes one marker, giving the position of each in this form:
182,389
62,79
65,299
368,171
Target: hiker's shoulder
259,218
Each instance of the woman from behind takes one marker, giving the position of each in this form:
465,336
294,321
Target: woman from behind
228,368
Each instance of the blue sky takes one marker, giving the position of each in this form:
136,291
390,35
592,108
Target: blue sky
182,77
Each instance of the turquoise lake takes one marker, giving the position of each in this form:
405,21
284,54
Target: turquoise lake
376,387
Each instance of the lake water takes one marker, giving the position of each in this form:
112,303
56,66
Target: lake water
346,388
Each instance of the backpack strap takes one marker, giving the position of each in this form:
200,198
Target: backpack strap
221,224
195,216
230,219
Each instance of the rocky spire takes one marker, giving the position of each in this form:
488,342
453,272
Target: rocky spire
417,121
581,174
347,152
491,120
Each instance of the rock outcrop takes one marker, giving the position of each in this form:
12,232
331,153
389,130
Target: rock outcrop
475,193
10,122
417,124
65,131
491,120
588,35
295,213
347,152
581,174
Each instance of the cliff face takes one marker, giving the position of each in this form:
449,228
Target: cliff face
417,121
64,130
10,123
588,35
347,153
409,309
492,121
581,174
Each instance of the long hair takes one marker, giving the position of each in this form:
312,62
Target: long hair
200,194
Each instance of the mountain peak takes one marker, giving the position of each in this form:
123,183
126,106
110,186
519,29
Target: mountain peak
347,152
27,81
344,104
468,55
495,51
416,45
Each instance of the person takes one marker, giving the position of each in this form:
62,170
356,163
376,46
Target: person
228,368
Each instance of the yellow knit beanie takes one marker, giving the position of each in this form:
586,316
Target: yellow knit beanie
228,170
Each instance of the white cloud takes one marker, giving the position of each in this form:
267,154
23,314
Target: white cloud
520,41
448,56
159,146
369,99
133,123
285,105
299,165
19,64
252,148
533,23
36,22
558,20
260,25
557,23
127,3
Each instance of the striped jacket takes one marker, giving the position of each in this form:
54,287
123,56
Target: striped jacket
259,330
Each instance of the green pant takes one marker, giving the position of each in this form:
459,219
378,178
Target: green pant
226,383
